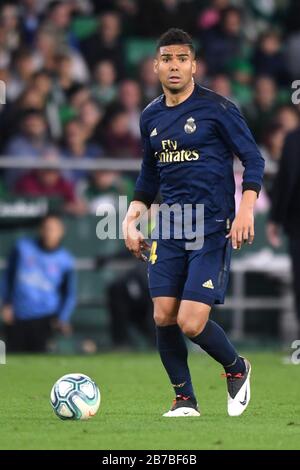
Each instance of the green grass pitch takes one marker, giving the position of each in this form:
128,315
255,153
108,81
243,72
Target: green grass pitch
135,393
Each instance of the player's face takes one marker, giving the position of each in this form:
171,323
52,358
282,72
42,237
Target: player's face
52,232
175,66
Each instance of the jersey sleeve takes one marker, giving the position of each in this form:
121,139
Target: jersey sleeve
68,295
147,184
238,137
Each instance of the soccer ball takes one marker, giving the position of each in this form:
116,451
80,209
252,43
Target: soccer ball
75,396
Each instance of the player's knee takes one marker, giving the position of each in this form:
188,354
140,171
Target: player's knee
192,326
164,317
165,312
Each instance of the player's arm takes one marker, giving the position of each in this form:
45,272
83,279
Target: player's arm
134,239
146,189
237,135
242,229
68,301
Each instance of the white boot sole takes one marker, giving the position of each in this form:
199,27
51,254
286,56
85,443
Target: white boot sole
183,412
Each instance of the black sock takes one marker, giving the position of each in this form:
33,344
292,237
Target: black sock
215,342
173,353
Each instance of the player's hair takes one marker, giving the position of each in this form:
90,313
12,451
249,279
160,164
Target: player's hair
175,36
51,214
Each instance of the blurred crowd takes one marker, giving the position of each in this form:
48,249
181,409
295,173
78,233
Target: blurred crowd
79,72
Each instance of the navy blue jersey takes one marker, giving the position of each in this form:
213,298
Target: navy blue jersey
188,155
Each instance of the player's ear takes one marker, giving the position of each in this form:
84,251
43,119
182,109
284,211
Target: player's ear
155,66
194,66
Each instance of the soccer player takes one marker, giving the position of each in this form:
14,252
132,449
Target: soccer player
189,137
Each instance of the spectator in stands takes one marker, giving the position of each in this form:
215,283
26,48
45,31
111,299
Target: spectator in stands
32,138
23,68
210,16
106,43
268,58
285,210
5,55
260,112
288,117
104,187
9,25
221,84
31,98
271,149
30,19
201,75
104,88
76,147
39,289
272,143
130,98
50,183
13,112
241,72
77,95
157,16
223,42
64,77
42,83
57,21
47,48
118,140
149,83
91,116
31,141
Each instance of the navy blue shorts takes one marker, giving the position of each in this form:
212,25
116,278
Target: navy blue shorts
200,275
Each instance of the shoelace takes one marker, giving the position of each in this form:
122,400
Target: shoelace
231,384
180,397
228,375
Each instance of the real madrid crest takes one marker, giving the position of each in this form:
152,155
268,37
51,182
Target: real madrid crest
190,126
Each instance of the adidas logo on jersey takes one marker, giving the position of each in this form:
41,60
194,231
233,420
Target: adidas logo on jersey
208,284
154,132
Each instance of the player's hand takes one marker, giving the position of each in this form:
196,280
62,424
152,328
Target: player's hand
7,314
63,327
135,241
242,229
273,234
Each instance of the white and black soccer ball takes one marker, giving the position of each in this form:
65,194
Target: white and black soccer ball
75,396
